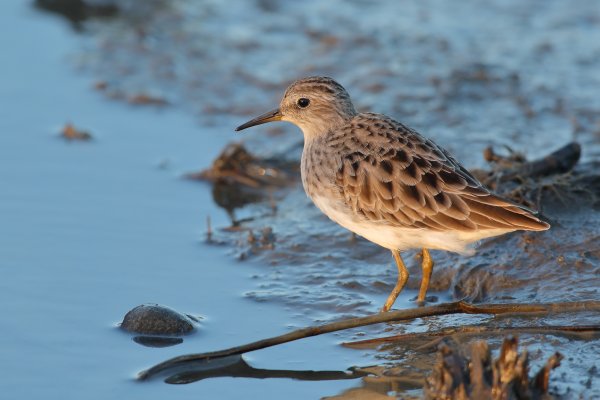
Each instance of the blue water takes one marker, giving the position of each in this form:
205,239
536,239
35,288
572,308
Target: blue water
89,230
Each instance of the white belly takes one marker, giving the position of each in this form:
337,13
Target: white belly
397,238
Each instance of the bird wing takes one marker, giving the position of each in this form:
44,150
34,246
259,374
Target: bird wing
390,173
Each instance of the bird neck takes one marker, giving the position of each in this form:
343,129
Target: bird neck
313,129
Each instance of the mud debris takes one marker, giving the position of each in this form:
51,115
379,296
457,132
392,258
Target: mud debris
144,99
240,178
459,376
266,240
236,165
69,132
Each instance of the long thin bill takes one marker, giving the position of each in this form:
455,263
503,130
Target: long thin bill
273,115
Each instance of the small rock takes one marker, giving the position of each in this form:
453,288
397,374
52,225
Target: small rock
154,319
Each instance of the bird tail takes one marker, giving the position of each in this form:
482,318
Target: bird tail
504,213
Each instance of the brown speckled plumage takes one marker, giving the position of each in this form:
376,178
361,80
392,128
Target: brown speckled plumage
386,182
388,173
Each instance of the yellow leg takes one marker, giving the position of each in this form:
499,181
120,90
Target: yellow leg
402,278
427,266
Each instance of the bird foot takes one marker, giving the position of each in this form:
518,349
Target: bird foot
428,299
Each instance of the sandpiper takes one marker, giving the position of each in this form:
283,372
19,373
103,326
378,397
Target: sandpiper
385,182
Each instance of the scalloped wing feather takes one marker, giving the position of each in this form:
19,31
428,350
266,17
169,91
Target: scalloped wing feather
390,173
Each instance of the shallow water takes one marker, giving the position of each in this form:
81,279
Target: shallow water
91,229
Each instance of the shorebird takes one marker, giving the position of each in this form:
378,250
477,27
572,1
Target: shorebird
385,182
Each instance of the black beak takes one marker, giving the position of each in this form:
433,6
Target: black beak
273,115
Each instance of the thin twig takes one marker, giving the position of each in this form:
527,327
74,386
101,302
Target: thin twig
208,229
457,307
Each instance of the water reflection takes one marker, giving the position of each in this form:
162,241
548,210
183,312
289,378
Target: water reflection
77,11
236,367
157,341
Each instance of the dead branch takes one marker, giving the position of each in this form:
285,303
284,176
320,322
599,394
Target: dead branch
557,162
458,307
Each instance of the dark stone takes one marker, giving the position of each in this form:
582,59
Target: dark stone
154,319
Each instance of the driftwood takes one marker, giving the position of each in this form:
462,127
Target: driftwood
556,179
516,168
457,376
458,307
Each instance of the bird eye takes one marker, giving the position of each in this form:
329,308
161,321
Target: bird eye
303,102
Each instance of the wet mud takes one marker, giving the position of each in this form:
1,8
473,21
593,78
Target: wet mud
509,77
